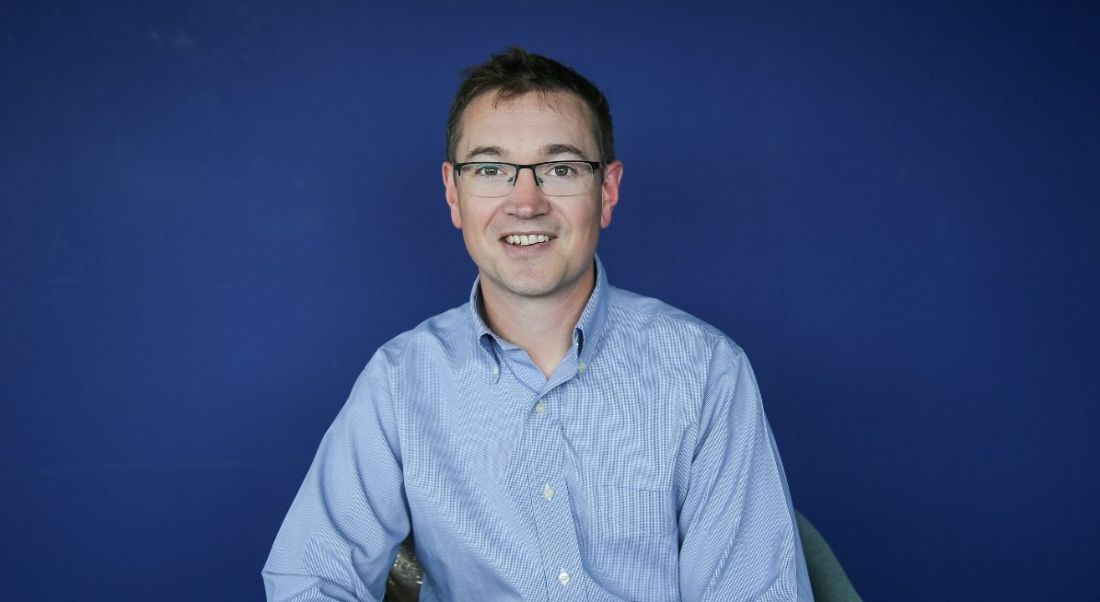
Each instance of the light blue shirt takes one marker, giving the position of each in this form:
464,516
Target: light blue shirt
642,469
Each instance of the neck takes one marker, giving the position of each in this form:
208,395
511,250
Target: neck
542,326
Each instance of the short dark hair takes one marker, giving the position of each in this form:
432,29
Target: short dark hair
516,72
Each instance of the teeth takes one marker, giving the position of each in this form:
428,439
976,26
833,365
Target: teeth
523,240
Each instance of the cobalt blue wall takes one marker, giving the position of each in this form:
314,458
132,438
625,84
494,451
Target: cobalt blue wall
213,214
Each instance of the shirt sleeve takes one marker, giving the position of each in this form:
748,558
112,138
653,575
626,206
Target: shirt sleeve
340,536
739,535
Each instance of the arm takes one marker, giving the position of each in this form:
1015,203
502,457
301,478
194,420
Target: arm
341,534
739,536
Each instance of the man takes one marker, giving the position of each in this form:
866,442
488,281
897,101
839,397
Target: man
555,438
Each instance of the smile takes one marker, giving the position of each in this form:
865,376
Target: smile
523,240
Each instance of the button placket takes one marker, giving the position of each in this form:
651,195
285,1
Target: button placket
548,496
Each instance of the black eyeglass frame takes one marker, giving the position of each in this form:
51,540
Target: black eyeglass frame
597,168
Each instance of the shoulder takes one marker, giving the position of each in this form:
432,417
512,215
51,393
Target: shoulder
694,366
412,360
446,335
659,326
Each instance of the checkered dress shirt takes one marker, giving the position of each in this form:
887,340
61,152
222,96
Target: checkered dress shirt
642,469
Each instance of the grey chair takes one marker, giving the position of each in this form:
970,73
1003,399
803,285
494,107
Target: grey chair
827,578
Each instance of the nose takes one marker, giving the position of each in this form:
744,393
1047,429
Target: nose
526,199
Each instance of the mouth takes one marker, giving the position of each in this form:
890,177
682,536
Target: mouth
526,240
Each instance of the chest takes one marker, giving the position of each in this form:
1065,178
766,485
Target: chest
632,430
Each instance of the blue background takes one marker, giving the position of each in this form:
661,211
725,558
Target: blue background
212,213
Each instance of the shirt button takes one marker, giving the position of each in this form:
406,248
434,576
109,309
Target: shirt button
548,492
540,407
563,577
581,367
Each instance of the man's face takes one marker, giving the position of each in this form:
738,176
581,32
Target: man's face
530,129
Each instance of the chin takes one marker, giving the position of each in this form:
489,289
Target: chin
528,288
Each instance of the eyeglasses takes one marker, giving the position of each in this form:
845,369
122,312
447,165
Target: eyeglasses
554,178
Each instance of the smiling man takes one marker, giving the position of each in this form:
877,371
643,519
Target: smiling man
555,438
530,202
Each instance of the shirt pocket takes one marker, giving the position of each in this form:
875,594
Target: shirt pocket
625,512
632,542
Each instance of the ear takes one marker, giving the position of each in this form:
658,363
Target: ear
451,193
609,191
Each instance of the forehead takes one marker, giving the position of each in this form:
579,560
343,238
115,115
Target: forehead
522,125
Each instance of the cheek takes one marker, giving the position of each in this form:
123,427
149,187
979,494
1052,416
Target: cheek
474,244
475,222
585,227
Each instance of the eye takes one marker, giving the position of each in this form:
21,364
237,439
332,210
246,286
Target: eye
562,170
488,170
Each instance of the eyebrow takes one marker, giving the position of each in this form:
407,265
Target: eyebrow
551,150
494,151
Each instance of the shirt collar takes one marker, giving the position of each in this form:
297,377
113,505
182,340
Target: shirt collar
484,336
587,332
